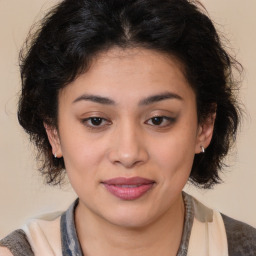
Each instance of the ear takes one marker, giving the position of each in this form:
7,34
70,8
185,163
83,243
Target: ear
54,140
204,133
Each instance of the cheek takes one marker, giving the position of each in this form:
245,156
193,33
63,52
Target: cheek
174,163
82,164
82,157
82,154
175,153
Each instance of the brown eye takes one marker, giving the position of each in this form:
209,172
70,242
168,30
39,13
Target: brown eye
161,121
157,120
96,121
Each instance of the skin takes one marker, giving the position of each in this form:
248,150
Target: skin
129,141
5,252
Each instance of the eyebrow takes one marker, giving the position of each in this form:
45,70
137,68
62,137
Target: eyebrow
159,97
147,101
95,98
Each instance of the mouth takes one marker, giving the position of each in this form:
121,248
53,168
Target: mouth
128,188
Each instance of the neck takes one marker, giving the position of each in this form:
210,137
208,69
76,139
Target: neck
160,237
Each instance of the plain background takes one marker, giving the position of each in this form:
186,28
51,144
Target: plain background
22,192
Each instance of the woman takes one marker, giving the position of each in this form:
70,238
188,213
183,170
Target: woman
132,99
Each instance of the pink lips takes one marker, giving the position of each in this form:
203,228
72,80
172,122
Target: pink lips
128,188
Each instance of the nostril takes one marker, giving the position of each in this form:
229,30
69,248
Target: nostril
127,146
128,160
128,163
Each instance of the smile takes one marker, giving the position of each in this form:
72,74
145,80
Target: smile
128,188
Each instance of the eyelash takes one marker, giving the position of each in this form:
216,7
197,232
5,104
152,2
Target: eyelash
168,121
88,122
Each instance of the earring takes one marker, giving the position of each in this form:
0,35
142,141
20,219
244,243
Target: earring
202,149
55,155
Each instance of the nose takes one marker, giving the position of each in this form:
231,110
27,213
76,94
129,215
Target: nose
128,147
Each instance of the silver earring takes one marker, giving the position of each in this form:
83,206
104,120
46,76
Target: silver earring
202,149
55,155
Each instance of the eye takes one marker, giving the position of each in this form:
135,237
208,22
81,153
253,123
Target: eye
161,121
95,122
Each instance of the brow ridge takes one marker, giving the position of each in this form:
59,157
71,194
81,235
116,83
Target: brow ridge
95,98
159,97
147,101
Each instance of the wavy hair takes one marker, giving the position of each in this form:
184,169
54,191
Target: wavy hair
75,32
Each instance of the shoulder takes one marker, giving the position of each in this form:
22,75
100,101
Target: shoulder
38,234
4,251
15,244
241,237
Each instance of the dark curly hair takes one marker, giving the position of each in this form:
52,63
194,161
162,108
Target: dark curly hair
74,32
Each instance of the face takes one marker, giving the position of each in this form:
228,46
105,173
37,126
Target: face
128,133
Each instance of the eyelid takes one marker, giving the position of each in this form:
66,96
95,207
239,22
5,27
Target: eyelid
170,121
163,117
105,122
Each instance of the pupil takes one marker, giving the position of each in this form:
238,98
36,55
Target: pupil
96,120
157,120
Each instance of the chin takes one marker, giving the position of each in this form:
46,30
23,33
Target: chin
131,223
131,218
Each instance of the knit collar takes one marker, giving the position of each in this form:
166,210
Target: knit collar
71,245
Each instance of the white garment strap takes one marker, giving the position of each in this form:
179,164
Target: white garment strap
44,235
208,235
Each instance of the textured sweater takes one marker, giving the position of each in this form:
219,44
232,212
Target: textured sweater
205,233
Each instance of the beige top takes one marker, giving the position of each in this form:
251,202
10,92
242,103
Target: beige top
206,233
208,236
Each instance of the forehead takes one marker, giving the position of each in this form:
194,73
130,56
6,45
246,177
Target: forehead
130,71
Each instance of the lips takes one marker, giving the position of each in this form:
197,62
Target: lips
128,188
